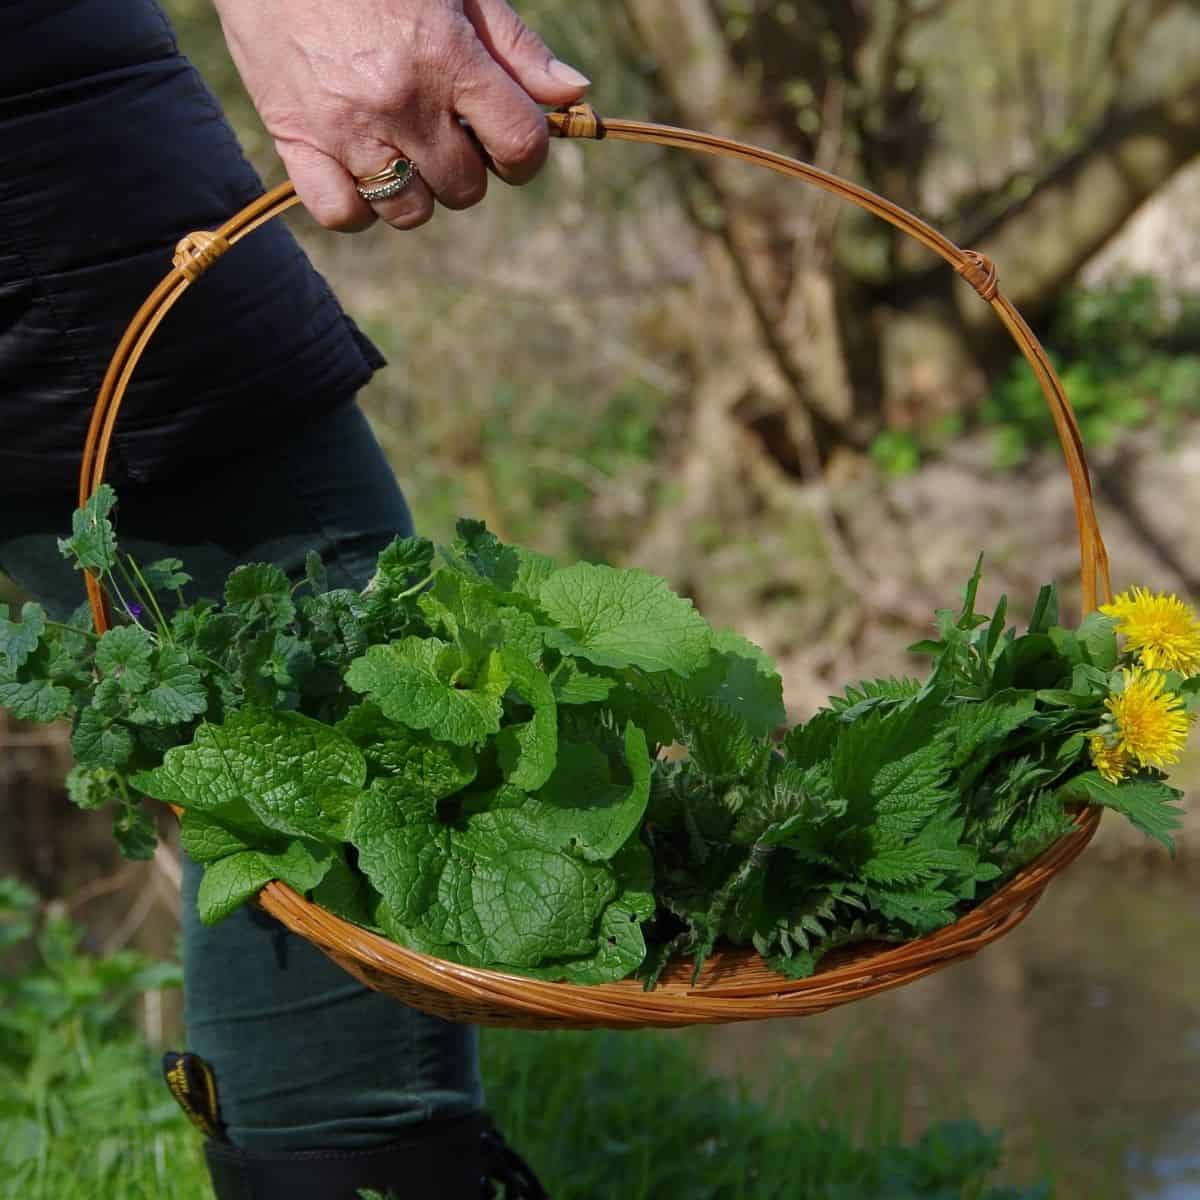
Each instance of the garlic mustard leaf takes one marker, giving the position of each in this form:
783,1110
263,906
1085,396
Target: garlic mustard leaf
427,684
231,881
528,750
623,618
280,771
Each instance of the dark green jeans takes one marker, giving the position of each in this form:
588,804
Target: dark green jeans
304,1055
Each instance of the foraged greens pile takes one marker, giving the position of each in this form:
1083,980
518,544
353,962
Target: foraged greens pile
468,755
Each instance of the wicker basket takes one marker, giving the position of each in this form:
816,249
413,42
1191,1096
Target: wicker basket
735,985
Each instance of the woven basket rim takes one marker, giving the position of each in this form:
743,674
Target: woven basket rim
732,980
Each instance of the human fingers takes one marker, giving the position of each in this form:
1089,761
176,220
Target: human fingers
501,103
523,54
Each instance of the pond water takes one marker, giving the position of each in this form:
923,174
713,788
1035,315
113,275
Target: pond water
1078,1035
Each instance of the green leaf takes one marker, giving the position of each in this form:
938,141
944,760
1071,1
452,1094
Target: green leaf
483,886
427,684
260,592
93,544
166,575
35,700
1149,804
1098,634
92,788
626,618
18,640
573,685
429,771
582,810
528,750
97,741
178,694
124,654
134,831
888,762
278,771
742,678
229,882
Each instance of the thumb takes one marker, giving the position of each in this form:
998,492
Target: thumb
523,54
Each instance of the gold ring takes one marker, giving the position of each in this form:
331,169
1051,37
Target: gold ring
391,181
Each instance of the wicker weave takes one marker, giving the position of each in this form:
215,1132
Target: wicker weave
735,985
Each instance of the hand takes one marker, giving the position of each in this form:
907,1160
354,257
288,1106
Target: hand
344,86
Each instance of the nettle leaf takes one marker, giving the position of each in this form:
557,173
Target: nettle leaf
206,839
260,592
888,762
177,695
19,639
1149,804
98,741
623,618
123,654
582,809
813,741
35,700
93,544
473,614
427,684
229,882
485,554
166,575
528,751
431,768
483,886
278,771
990,721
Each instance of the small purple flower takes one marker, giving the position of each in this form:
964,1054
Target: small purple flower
135,610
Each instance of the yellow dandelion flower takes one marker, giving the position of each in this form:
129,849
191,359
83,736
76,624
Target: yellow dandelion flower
1152,725
1111,761
1160,629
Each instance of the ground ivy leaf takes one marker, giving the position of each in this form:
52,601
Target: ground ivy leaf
35,700
415,682
124,654
19,639
623,618
97,741
92,544
278,770
166,575
260,592
178,694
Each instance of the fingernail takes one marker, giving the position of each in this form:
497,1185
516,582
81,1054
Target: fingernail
567,75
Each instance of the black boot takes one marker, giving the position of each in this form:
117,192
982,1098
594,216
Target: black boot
464,1158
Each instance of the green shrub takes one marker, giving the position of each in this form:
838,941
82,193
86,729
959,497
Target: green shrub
1121,351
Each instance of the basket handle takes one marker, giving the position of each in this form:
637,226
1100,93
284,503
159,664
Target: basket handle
198,251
